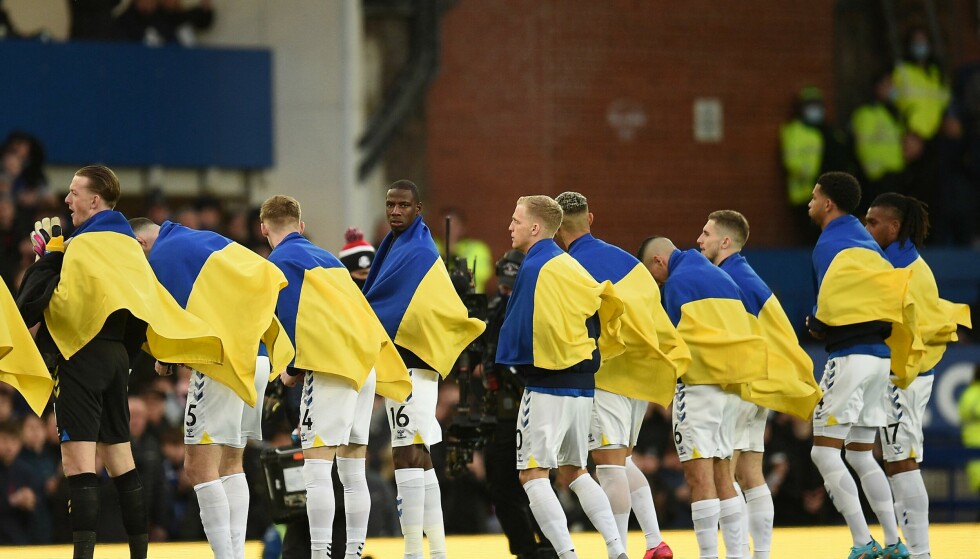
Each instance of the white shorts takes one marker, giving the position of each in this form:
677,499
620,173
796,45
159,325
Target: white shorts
853,395
901,437
552,430
616,420
750,427
414,422
326,410
214,414
360,430
704,421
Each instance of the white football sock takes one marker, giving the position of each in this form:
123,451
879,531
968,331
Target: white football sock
432,523
411,508
705,515
320,504
617,488
641,500
910,490
596,507
236,490
876,489
550,516
730,519
761,512
745,521
842,491
357,503
215,517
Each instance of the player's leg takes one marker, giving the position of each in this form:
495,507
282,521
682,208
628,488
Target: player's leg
759,510
832,420
608,442
117,455
731,505
539,433
572,457
413,427
902,446
326,413
351,460
212,421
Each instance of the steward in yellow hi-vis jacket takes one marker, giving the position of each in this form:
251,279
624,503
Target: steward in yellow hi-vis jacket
21,364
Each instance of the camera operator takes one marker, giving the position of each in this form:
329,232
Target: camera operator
504,389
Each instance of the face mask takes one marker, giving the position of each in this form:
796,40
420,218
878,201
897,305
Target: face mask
919,50
813,114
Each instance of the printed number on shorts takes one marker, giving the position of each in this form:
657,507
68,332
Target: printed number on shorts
678,438
520,439
191,418
307,420
398,418
894,428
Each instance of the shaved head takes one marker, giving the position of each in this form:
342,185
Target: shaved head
655,246
655,253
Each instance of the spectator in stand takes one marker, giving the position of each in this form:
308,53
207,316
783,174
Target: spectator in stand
149,460
91,20
922,95
11,233
45,469
809,147
879,133
209,214
23,164
188,217
181,25
157,206
17,498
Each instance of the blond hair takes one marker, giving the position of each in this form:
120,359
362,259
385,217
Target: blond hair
102,182
280,211
733,223
545,209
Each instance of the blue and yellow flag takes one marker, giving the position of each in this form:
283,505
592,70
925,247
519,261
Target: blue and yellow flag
705,305
856,283
330,322
545,322
649,367
791,387
937,318
411,293
104,271
21,364
232,289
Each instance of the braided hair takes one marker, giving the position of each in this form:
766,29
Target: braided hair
911,213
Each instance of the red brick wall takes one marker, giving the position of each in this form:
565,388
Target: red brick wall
520,107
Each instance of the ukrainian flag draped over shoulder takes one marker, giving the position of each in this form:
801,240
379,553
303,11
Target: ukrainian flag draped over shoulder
104,271
411,293
330,322
232,289
21,364
706,306
856,283
553,297
649,367
790,386
937,318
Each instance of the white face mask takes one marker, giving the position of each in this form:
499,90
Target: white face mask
813,114
919,50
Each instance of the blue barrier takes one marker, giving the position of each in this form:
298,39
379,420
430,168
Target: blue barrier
131,105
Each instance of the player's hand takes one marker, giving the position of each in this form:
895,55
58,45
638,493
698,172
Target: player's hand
165,369
288,380
47,236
